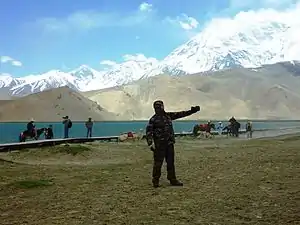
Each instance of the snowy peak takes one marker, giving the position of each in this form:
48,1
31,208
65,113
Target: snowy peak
250,39
132,68
5,80
253,47
133,62
84,72
84,78
8,81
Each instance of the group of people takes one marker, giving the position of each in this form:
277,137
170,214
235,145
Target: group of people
68,125
48,132
32,131
232,128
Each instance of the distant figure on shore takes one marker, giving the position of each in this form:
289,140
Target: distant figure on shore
49,132
89,126
67,125
234,126
220,128
31,128
227,129
249,129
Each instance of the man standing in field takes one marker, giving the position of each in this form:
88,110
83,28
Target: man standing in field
67,125
160,136
249,129
89,126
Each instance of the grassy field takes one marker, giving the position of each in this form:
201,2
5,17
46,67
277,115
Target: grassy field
225,182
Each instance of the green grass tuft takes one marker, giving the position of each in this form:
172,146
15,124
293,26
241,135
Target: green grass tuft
27,184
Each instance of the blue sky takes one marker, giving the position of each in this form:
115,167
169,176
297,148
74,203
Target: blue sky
37,36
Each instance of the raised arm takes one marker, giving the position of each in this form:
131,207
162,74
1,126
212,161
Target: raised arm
181,114
149,132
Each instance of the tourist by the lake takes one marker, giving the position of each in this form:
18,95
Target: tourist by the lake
89,127
31,128
234,126
49,132
220,128
161,139
67,125
249,129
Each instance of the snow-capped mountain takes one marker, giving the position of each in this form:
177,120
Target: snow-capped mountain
133,68
83,78
36,83
249,40
232,44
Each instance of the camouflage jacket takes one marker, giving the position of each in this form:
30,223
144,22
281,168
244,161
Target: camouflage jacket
160,127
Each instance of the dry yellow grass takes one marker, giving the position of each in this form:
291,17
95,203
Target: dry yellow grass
225,182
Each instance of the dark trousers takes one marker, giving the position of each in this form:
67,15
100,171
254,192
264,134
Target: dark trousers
66,132
235,131
161,152
89,132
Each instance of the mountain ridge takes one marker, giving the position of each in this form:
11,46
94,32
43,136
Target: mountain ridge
242,42
52,105
267,92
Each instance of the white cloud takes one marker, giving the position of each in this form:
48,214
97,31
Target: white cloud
290,16
10,60
145,7
184,21
108,63
136,57
90,19
5,59
238,4
16,63
189,23
126,58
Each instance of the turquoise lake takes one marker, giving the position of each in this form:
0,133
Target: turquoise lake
9,131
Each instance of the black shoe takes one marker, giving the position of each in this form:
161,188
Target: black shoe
155,183
176,183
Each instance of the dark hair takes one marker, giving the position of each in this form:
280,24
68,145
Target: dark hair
157,102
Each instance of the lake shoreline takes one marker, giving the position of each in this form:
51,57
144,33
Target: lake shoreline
146,120
9,132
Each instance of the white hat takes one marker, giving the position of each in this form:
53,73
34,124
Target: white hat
32,119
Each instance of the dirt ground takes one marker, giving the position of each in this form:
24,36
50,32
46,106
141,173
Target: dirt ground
225,182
